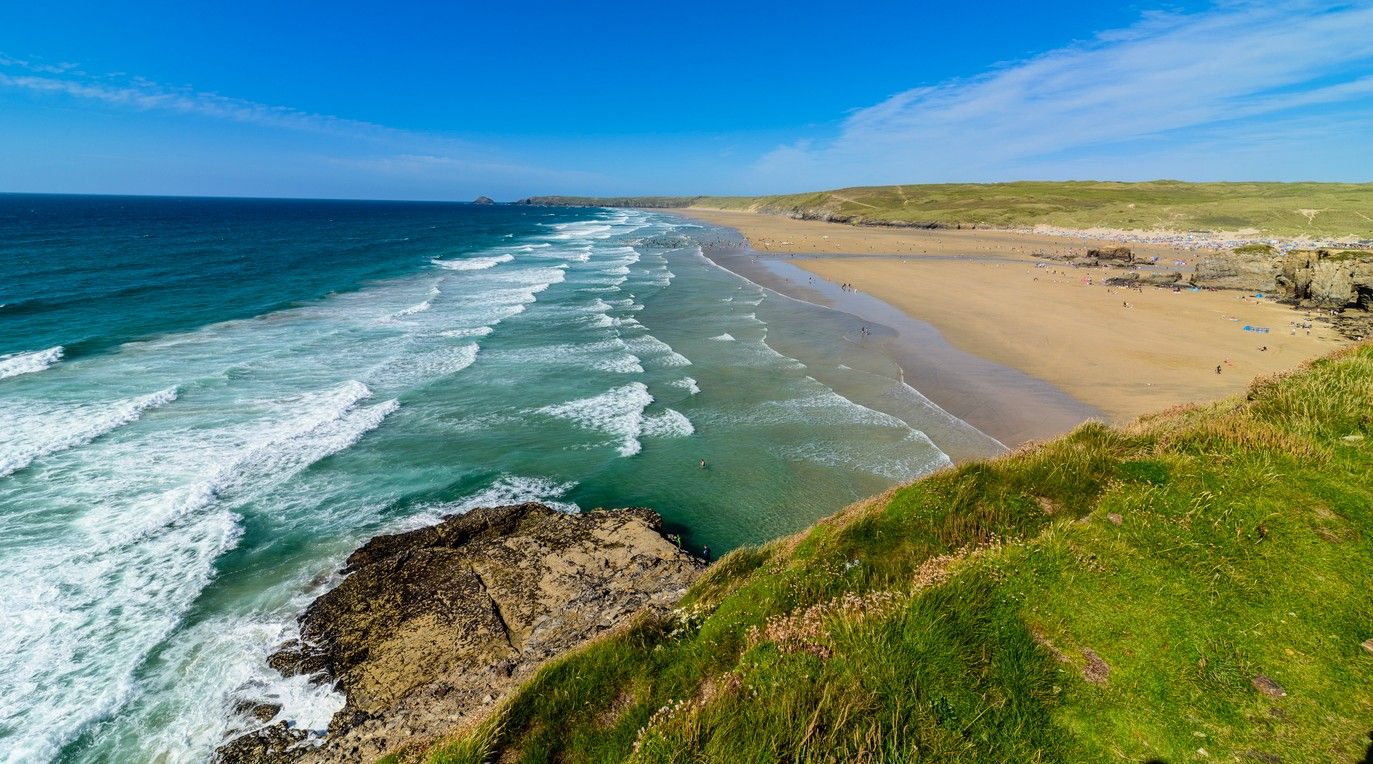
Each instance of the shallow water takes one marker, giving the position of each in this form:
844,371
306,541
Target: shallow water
206,404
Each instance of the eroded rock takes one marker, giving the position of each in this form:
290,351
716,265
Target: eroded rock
433,627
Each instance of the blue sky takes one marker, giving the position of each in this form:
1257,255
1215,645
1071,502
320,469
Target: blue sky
449,100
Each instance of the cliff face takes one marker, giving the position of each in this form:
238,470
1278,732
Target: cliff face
1311,278
433,626
1319,279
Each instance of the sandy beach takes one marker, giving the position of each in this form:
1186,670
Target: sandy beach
1122,351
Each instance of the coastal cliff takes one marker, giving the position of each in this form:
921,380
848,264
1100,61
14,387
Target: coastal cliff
433,627
1192,587
1319,279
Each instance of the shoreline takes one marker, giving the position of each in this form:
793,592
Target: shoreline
1003,404
1115,351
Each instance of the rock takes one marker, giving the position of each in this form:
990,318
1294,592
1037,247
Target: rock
1320,279
1150,279
1115,518
1368,646
433,626
1268,687
272,745
1117,254
483,200
1249,272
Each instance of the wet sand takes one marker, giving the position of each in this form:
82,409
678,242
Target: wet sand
966,305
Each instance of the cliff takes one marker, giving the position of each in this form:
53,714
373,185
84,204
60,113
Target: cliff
434,626
1320,279
1193,587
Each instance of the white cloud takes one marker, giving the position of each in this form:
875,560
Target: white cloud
426,163
143,94
1138,89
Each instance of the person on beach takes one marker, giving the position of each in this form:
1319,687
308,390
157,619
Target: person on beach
1217,368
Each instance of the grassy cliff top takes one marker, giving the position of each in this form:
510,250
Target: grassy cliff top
1195,587
1272,209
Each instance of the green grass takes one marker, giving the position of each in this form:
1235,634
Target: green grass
1274,209
957,618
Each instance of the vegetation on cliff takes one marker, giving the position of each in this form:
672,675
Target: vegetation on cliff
1274,209
1197,586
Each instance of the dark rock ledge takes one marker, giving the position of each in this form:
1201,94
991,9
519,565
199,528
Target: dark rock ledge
432,628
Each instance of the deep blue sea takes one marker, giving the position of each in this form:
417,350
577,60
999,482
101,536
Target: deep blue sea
205,405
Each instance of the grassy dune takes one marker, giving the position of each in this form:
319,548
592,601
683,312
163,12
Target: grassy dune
1273,209
1195,587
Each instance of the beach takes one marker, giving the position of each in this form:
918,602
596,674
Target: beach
1121,351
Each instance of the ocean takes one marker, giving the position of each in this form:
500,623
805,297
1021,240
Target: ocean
206,404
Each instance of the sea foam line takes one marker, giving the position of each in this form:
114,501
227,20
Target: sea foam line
473,263
28,363
68,430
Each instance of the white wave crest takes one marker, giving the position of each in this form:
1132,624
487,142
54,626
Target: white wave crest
688,384
618,412
413,309
726,337
28,363
476,331
423,367
31,437
503,491
473,263
669,424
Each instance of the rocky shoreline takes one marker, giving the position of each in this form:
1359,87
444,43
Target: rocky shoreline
431,628
1335,285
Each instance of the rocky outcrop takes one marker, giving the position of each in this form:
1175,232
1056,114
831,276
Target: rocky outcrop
1321,279
483,200
1138,279
1112,254
432,627
1245,271
1310,278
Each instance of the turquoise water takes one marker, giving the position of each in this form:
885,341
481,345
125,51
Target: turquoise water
206,404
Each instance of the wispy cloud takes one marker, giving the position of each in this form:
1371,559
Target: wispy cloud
429,163
1141,88
139,93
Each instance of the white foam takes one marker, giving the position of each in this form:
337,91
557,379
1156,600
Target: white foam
29,436
648,346
623,363
110,587
688,384
413,309
413,369
28,363
473,263
477,331
329,423
726,337
917,456
503,491
618,412
668,424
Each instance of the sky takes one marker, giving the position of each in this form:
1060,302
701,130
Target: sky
455,99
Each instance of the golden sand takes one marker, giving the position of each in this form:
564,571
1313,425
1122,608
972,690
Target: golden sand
1123,351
